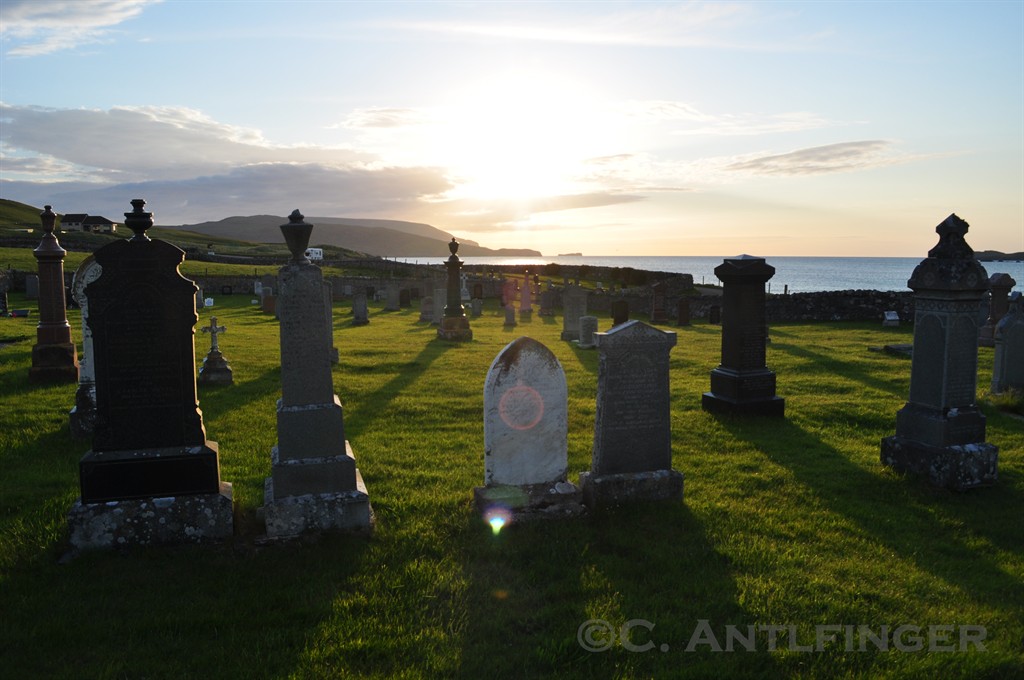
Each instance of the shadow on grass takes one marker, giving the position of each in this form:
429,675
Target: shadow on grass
829,364
550,598
928,527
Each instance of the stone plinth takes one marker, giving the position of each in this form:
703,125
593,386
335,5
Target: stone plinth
314,484
742,384
167,520
940,432
632,458
54,356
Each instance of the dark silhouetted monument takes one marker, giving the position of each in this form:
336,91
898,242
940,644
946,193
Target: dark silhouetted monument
742,384
215,369
999,286
151,476
54,357
454,324
940,432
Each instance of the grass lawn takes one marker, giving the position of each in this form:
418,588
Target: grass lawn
791,523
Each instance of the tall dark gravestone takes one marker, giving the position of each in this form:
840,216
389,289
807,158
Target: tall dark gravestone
454,324
940,432
620,312
658,312
632,458
54,357
151,476
314,484
742,384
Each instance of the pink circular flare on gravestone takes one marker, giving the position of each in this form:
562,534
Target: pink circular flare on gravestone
521,407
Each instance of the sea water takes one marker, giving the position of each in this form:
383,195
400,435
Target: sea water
792,274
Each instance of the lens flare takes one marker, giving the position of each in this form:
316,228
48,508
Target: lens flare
498,516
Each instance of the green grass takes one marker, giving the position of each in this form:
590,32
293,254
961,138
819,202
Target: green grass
788,522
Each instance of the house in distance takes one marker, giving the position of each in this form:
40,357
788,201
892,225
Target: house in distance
84,222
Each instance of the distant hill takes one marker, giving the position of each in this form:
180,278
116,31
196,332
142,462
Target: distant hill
385,238
994,255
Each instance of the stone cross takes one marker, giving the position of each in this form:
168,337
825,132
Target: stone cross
213,329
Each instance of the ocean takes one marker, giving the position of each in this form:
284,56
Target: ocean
792,274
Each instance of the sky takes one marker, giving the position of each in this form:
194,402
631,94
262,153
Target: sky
640,128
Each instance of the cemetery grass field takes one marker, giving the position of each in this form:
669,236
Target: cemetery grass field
791,523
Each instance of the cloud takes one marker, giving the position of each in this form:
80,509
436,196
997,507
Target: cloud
382,117
258,189
497,215
818,160
147,143
698,122
39,28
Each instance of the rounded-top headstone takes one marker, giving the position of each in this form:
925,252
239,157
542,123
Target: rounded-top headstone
138,220
296,235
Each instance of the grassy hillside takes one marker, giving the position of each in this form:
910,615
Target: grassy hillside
791,523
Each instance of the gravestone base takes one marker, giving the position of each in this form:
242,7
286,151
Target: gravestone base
959,467
82,417
149,473
347,511
455,328
631,487
525,314
987,336
570,336
215,370
54,363
746,393
168,520
313,475
552,500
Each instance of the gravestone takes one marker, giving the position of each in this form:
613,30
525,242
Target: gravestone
1008,363
454,325
360,311
890,319
742,384
714,314
620,312
404,298
574,305
464,295
478,291
393,299
314,483
632,458
3,303
525,436
1000,286
151,476
32,285
200,300
940,431
510,316
329,315
683,312
268,303
208,302
440,302
476,306
82,417
426,308
215,369
525,299
257,288
54,356
547,303
587,329
658,312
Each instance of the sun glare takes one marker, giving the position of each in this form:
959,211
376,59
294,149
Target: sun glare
519,135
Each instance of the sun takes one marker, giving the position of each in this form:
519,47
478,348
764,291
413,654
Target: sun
518,135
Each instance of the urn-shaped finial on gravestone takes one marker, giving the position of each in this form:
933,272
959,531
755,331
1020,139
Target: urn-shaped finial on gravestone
48,245
296,235
453,246
138,220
